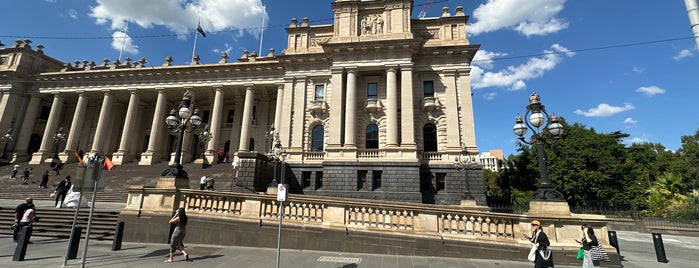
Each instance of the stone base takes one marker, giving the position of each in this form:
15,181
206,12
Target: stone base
548,208
38,158
149,158
201,163
120,158
172,183
272,190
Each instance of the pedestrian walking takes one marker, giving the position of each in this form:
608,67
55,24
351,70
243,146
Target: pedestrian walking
588,241
62,191
27,174
180,222
209,183
19,214
540,243
57,168
202,183
15,169
44,180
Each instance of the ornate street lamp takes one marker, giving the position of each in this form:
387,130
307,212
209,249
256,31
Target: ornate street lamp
204,137
7,138
466,162
539,120
179,121
57,139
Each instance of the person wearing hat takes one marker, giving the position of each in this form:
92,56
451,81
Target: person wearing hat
19,213
540,241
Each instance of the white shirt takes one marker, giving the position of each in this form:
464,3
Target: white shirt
202,180
16,167
28,216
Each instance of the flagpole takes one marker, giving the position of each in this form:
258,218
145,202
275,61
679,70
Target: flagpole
123,40
195,41
262,28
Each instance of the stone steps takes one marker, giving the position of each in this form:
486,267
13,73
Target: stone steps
57,222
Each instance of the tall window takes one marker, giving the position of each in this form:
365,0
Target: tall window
317,135
372,90
205,116
372,137
251,146
428,88
376,179
319,93
231,116
429,136
441,181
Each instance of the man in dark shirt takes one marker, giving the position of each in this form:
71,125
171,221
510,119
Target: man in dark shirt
62,191
19,212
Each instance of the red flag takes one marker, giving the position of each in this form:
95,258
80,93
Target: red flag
80,160
108,163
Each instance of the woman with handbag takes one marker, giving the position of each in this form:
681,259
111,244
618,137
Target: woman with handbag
540,243
180,222
589,240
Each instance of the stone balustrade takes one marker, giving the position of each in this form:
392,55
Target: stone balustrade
370,153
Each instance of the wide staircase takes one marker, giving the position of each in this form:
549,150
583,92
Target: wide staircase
57,222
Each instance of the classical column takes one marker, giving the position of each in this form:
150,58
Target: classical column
215,126
49,131
285,114
452,111
336,103
391,107
152,154
123,155
247,119
468,133
104,121
278,108
76,126
407,108
299,120
25,132
351,110
8,105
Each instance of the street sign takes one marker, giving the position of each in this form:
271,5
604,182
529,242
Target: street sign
281,192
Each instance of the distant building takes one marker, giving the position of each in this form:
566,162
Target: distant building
374,105
493,160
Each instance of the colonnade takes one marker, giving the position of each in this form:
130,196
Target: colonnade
126,151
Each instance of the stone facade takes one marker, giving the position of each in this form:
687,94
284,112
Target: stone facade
375,105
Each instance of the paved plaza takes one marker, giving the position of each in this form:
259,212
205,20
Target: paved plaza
637,250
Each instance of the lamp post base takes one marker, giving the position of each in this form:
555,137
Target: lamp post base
547,192
175,171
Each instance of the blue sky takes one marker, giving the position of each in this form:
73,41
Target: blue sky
610,65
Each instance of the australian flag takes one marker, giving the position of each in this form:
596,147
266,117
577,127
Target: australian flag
200,30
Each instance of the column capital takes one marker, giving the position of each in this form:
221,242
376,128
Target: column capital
391,67
280,85
406,67
248,85
464,71
351,70
337,69
134,91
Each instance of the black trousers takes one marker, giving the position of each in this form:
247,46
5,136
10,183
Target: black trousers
15,233
60,196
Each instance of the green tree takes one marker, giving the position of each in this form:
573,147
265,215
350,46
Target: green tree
689,152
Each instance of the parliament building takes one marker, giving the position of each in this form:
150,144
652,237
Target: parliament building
375,105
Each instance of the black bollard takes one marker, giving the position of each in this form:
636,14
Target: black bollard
21,249
659,247
613,241
118,235
74,243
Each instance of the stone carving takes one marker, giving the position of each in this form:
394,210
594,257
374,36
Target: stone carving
372,24
430,34
318,41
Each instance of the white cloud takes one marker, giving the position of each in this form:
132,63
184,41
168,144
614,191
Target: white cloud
513,77
528,17
685,53
650,91
73,13
630,121
604,110
121,39
638,70
490,96
227,49
484,58
636,140
180,17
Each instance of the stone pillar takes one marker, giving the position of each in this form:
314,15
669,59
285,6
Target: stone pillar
336,103
123,155
103,124
247,119
49,131
215,126
452,111
285,115
468,133
351,110
8,105
152,154
391,107
278,109
76,126
25,132
298,121
407,109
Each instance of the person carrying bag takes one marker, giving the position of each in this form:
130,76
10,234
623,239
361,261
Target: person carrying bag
540,243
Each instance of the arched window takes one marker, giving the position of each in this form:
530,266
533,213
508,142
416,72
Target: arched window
372,137
251,147
429,136
317,135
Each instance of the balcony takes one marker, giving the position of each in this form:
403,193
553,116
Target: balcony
373,105
370,153
314,156
430,104
317,106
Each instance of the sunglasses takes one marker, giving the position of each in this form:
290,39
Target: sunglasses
535,225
